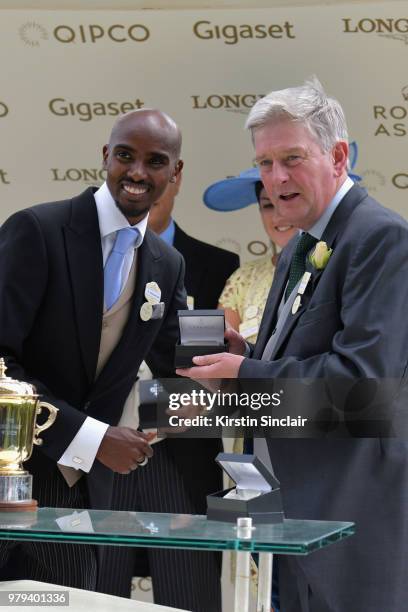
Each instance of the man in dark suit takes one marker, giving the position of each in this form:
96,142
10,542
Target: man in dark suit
207,267
75,278
343,322
184,468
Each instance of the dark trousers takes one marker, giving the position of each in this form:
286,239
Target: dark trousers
66,564
181,578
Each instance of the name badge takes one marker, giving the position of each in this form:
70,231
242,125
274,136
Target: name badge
152,293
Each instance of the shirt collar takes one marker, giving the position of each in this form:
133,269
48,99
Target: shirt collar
318,228
111,219
168,234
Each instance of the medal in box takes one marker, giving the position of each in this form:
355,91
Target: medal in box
256,495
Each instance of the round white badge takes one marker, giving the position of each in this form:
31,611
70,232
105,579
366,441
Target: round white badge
146,311
152,293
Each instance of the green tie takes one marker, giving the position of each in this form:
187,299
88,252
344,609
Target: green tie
298,263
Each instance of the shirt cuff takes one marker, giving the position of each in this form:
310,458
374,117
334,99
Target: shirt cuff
81,453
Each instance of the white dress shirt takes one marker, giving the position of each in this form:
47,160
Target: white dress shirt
81,452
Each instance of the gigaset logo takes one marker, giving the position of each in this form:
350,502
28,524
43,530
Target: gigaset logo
231,34
3,177
92,33
4,110
85,111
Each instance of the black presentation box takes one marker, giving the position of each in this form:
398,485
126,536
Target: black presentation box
201,332
257,493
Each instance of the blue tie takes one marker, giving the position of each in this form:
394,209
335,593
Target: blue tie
125,238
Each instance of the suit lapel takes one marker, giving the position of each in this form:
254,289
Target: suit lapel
339,219
274,299
84,255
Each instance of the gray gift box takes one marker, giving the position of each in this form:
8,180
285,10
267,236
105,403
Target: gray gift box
256,494
201,332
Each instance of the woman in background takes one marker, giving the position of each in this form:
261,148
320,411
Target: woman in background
245,293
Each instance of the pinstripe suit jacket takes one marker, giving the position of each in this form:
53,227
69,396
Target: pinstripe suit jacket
51,288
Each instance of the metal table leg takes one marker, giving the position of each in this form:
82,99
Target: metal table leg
264,582
242,571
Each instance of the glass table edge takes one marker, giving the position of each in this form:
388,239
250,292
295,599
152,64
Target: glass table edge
220,544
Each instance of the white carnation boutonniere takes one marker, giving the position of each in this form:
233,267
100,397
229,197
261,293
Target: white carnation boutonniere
320,256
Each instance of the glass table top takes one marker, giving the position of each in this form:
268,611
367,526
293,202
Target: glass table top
167,531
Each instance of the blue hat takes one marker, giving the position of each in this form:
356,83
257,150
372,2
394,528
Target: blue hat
238,191
233,193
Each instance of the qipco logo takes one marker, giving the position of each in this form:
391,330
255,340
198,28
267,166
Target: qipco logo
93,33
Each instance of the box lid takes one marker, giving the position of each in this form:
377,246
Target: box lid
201,327
248,472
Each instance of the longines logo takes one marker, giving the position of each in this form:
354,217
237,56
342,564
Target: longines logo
396,29
3,110
3,177
232,34
86,111
90,176
238,103
392,120
33,34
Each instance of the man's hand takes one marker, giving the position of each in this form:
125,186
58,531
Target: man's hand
221,365
123,448
237,344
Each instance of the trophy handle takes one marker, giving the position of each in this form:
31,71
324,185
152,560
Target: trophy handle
51,418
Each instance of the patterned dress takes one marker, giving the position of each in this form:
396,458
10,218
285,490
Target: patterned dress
246,292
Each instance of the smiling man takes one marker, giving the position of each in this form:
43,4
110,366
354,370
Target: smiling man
140,167
344,325
87,293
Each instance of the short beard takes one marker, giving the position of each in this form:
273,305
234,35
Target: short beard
132,212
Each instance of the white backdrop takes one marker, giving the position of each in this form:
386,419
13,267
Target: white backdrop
61,69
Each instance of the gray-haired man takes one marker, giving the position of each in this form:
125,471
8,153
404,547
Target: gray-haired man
349,325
